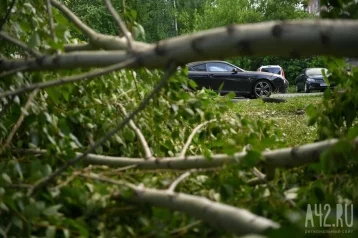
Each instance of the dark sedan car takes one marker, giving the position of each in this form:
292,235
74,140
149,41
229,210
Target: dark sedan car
223,76
312,79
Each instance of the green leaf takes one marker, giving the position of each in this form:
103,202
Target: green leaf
34,40
6,178
52,211
51,232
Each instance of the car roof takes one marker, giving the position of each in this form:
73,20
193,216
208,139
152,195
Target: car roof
269,66
207,61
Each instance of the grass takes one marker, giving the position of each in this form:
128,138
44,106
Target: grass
289,117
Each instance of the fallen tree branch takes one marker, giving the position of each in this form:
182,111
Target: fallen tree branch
138,132
120,23
226,217
20,44
20,120
191,136
286,38
71,79
170,70
280,158
231,219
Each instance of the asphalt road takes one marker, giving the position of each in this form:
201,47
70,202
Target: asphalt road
286,95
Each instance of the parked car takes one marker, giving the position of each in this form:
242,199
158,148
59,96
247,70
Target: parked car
225,77
275,69
312,79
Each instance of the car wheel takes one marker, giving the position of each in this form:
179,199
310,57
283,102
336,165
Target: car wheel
262,88
297,89
307,88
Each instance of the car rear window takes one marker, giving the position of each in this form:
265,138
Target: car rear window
316,71
200,67
273,70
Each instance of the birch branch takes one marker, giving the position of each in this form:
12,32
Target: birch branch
280,158
71,79
191,136
232,219
21,119
138,132
120,23
20,44
170,70
286,38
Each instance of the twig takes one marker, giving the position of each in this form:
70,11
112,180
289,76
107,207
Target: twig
143,141
120,23
13,71
191,136
108,180
71,79
178,180
52,25
185,228
19,43
74,19
261,176
7,15
21,118
46,180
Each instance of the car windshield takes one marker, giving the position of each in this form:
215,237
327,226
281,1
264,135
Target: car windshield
316,71
274,70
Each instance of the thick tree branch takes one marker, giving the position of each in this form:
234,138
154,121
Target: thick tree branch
229,218
170,70
138,132
20,120
191,136
120,23
20,44
71,79
280,158
288,38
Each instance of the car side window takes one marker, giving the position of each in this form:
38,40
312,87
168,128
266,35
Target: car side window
219,67
200,67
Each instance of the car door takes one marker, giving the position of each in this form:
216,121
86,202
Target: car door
233,81
300,80
200,75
